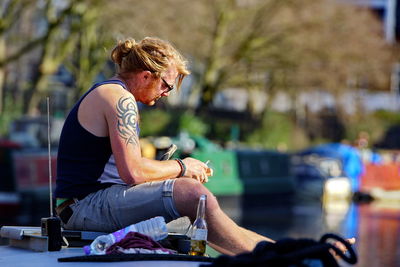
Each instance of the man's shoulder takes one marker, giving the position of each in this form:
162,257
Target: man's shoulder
112,89
114,99
112,93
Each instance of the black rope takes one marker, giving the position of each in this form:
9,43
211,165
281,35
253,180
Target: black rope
291,252
352,258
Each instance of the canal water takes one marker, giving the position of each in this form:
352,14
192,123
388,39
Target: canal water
375,225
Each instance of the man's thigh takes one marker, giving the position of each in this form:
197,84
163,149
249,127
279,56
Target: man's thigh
120,205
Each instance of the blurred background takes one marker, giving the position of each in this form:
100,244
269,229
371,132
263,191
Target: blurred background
294,102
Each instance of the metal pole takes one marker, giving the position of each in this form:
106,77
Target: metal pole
49,145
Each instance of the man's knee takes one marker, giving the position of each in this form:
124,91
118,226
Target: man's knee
186,196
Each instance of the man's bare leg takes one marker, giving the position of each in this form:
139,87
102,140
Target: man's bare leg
256,237
224,233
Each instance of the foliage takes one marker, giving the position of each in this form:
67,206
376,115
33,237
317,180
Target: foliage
154,122
90,56
389,117
374,124
38,52
11,112
276,130
160,122
221,130
192,124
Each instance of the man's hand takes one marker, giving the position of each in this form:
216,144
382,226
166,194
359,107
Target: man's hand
340,245
197,169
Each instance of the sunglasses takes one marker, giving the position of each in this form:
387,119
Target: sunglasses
170,87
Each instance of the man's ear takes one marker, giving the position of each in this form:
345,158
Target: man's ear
146,75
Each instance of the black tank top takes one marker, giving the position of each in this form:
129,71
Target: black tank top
81,155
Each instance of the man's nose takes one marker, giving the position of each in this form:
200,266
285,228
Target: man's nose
165,94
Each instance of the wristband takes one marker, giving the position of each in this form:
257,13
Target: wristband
183,168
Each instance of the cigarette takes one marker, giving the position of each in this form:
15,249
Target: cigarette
209,170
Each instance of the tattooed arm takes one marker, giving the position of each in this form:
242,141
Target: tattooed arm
122,118
127,120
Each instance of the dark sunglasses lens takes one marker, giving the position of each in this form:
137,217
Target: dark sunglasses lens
170,87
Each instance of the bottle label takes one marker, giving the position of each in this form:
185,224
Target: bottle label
197,247
200,234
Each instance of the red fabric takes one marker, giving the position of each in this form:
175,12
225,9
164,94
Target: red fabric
9,144
385,176
135,240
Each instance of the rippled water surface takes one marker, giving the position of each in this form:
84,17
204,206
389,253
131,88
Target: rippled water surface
375,225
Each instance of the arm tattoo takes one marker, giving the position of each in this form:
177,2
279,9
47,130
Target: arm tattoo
127,114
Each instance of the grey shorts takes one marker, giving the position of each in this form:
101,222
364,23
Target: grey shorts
118,206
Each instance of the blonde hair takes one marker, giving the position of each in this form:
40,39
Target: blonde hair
151,54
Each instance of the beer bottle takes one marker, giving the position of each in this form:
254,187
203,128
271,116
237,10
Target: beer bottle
198,238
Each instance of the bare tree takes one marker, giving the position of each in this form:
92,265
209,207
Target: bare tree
60,39
47,43
237,43
10,12
338,48
91,51
62,27
225,37
298,44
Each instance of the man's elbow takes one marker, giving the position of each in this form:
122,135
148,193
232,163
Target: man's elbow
133,177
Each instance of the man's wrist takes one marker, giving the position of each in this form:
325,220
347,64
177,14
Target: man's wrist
183,168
